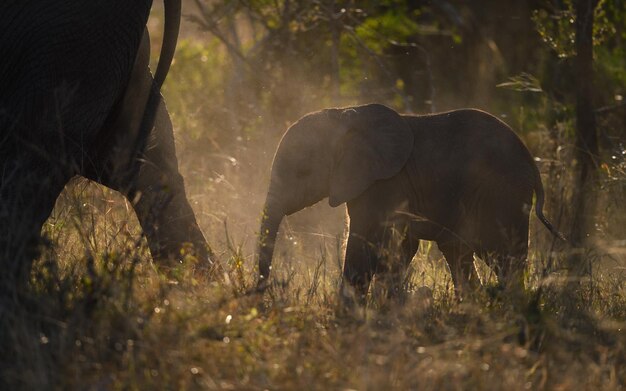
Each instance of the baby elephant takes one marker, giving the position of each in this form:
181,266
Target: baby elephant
462,179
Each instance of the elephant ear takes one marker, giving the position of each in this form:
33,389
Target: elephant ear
376,145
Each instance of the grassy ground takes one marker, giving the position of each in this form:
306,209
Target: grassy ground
100,316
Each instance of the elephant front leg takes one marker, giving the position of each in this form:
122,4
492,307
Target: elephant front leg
400,246
358,269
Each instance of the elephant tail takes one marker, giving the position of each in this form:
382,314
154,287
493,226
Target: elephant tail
170,37
539,207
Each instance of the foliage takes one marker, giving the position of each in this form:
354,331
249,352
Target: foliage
556,28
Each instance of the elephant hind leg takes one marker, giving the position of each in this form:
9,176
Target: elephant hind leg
29,188
506,252
162,206
157,190
504,246
509,266
460,259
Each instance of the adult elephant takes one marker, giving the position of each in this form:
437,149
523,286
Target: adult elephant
462,179
77,98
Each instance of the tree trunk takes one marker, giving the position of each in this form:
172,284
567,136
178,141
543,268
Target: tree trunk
586,142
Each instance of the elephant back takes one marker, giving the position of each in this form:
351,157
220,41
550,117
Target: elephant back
65,64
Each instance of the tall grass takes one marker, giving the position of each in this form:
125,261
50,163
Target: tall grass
99,315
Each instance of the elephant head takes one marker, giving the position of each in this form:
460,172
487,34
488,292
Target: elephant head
334,153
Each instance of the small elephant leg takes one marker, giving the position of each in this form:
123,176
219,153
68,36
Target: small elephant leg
359,266
381,241
386,253
408,248
509,267
461,262
395,259
505,249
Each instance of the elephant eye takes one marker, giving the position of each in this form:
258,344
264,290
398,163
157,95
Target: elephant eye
302,172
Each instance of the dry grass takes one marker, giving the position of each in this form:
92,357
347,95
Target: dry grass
100,316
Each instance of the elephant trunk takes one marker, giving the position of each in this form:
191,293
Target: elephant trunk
272,216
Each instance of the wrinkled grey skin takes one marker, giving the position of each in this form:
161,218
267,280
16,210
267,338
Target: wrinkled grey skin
77,98
462,179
